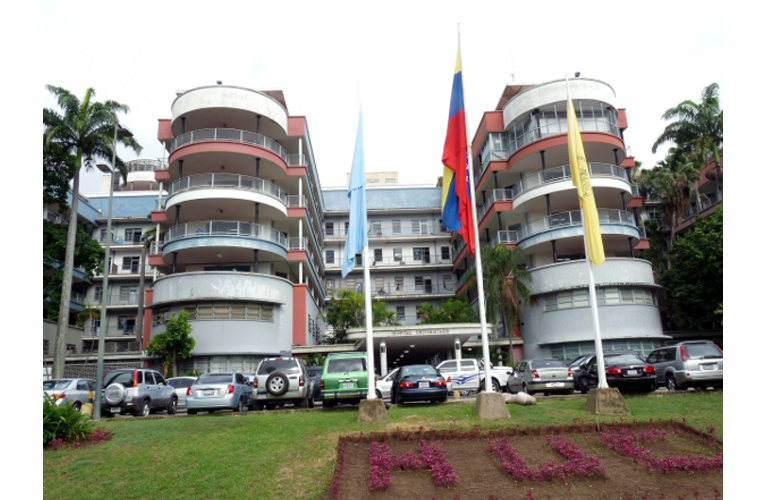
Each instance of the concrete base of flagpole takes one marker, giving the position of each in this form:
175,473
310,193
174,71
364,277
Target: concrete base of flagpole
372,410
491,406
606,401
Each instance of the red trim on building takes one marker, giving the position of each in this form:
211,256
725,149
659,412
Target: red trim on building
228,147
155,260
296,255
158,216
622,119
164,129
628,162
163,175
296,126
299,315
296,212
491,121
636,202
644,244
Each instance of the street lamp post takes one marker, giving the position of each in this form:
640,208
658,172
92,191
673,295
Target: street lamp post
97,414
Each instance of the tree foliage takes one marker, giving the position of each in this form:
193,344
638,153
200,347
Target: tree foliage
175,343
506,283
58,169
89,255
452,310
347,310
693,284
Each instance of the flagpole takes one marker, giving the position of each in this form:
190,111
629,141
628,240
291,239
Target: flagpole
592,289
477,252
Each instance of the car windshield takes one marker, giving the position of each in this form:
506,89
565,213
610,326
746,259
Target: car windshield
702,351
52,385
419,371
215,378
283,365
342,365
618,359
547,363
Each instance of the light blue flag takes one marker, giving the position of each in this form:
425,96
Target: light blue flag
357,238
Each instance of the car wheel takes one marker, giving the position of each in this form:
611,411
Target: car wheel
525,389
303,403
464,392
144,409
172,406
76,406
671,383
378,393
277,384
310,402
496,386
583,385
328,403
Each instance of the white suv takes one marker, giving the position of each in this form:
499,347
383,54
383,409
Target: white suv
282,380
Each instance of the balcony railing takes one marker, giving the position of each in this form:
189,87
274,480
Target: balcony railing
145,165
504,237
393,261
52,217
563,173
375,231
296,201
393,290
118,299
574,218
497,195
704,204
242,136
297,243
234,181
197,229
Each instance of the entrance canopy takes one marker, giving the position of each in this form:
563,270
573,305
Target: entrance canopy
415,344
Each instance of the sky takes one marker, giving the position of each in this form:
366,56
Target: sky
398,57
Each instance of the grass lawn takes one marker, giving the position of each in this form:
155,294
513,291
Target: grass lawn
267,455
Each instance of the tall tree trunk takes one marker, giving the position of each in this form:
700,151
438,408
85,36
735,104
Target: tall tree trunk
60,346
140,311
173,362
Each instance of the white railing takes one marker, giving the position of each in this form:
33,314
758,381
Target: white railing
392,261
497,195
563,173
574,218
234,181
242,136
145,165
504,237
196,229
52,217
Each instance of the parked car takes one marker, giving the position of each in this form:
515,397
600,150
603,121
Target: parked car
314,373
470,377
219,391
180,385
384,384
75,391
280,381
138,391
549,376
624,370
695,363
418,383
345,379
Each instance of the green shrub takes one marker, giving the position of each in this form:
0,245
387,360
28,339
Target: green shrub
63,423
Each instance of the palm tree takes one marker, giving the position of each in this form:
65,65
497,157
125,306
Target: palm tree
672,179
148,240
697,130
506,283
84,129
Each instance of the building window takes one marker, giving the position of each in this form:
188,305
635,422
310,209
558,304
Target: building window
330,256
45,346
329,287
359,262
606,296
399,282
445,253
420,226
379,285
397,256
418,282
330,229
126,324
376,228
128,295
378,255
347,225
396,227
401,313
133,235
131,264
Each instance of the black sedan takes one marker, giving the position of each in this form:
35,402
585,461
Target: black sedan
624,370
418,383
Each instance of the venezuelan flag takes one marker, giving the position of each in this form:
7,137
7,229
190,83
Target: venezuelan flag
457,214
581,179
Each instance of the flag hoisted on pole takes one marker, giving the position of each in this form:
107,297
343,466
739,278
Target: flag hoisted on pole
357,241
459,200
592,236
456,213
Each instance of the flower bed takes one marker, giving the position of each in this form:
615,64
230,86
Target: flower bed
630,461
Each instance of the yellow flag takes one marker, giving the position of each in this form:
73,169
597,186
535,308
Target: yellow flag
581,178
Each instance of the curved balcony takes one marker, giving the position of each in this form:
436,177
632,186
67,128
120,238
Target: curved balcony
215,233
228,181
238,136
528,234
564,173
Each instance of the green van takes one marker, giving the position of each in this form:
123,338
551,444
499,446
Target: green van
344,379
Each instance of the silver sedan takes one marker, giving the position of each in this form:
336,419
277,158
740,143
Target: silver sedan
217,391
549,376
75,391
